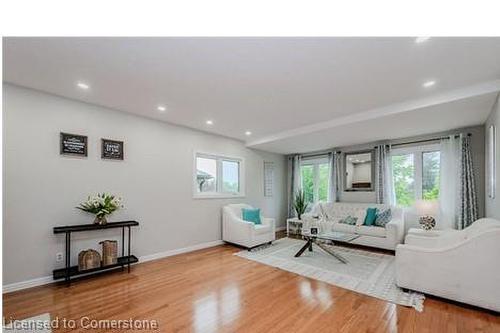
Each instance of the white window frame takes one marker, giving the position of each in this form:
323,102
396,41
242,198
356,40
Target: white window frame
417,152
315,162
218,194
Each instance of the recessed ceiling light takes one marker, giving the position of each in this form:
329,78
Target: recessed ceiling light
209,122
161,108
248,133
428,84
419,40
82,85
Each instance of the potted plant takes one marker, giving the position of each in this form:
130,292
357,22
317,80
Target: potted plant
299,203
101,205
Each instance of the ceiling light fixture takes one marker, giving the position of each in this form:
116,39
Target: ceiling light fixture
247,133
209,122
161,108
419,40
82,85
428,84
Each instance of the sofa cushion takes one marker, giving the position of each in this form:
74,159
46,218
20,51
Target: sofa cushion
371,231
351,220
342,227
371,216
383,218
251,215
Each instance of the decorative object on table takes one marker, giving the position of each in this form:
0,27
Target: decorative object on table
112,149
101,205
314,230
72,144
109,252
426,209
491,161
299,203
88,259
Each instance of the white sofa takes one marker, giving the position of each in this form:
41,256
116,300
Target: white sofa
381,237
247,234
458,265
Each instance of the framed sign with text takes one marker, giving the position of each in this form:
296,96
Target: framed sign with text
111,149
73,144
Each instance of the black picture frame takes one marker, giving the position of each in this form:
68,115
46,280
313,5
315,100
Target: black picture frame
73,144
314,230
112,149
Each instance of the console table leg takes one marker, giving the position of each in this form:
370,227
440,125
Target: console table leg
123,244
68,257
128,253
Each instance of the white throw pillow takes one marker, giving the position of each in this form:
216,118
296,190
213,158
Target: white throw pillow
361,215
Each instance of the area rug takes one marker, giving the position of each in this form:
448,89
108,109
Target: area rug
367,273
36,324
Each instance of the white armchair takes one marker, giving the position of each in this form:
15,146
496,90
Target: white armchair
458,265
247,234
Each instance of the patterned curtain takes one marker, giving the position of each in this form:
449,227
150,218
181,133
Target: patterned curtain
384,186
294,181
468,196
334,179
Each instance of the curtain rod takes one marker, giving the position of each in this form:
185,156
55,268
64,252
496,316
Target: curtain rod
317,154
424,140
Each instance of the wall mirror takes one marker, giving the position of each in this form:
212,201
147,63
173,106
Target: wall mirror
358,171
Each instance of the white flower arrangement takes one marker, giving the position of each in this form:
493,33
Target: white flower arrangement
101,204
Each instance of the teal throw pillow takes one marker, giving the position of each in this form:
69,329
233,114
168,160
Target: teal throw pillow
349,220
383,218
251,215
371,216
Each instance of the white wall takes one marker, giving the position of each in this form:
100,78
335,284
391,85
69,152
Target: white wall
41,188
493,205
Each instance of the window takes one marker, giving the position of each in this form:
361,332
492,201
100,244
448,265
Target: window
217,176
315,174
416,174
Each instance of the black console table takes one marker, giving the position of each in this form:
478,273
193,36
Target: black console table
125,260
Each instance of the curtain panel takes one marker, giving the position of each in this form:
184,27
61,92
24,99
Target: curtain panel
468,197
458,196
384,185
335,177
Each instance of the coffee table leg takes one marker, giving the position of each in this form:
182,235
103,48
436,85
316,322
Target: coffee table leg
308,244
338,256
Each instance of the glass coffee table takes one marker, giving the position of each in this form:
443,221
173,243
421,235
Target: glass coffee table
330,236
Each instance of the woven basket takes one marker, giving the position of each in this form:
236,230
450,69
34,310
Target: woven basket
88,259
109,252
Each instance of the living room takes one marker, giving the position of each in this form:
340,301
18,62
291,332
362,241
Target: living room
213,184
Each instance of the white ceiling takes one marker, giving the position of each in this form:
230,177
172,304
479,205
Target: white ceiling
293,94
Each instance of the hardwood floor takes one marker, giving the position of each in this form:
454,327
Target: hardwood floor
212,290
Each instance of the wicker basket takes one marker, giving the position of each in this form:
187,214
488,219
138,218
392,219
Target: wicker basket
109,252
88,259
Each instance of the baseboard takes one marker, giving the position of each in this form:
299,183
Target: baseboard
8,288
174,252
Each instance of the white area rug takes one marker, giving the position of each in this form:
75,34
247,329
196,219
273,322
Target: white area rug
36,324
367,273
